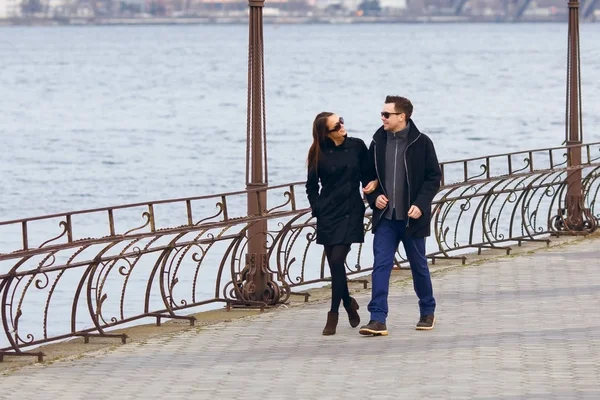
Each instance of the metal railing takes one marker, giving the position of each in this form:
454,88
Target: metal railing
186,253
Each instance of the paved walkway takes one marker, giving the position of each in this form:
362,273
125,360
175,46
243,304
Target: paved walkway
516,328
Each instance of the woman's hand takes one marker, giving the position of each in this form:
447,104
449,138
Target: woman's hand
371,186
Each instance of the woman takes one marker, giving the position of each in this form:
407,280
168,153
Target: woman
339,163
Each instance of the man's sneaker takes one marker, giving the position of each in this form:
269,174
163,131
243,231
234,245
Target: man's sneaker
426,323
373,328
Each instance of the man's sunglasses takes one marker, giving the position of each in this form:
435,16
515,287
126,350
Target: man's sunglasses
386,114
337,126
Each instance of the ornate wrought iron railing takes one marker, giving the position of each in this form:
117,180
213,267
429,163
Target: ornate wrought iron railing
161,258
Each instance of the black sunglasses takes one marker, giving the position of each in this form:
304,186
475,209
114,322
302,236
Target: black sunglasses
386,114
337,126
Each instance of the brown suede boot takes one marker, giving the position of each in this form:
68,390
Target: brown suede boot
332,320
353,316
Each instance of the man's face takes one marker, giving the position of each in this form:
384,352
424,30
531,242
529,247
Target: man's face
392,120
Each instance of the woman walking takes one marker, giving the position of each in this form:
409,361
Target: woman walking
338,164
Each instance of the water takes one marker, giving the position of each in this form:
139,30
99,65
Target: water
98,116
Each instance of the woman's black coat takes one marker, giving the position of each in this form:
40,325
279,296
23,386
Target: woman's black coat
339,207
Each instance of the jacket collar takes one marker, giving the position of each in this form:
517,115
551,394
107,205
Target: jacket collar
330,144
413,133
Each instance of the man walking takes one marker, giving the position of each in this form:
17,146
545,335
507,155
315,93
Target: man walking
409,178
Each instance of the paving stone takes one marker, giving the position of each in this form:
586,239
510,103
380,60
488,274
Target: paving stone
516,328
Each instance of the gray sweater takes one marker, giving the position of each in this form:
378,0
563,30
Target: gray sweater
395,173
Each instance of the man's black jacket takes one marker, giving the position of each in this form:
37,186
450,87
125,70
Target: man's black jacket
423,177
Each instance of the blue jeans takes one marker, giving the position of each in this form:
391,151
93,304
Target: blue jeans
388,236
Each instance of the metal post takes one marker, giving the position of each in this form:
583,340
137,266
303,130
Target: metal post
578,219
258,285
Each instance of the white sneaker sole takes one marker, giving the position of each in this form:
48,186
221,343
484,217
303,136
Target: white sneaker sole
373,332
426,328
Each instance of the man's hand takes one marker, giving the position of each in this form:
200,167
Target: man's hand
371,186
414,212
381,202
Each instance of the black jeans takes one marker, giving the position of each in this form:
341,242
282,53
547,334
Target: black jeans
336,257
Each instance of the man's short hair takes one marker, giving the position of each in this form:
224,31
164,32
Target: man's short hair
401,104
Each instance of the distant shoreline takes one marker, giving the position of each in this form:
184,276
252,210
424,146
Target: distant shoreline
279,20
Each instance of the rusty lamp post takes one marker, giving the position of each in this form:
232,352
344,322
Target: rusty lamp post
258,285
578,218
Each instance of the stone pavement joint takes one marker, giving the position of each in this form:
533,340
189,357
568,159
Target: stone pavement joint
512,328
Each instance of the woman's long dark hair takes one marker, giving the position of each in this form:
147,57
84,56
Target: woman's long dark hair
319,133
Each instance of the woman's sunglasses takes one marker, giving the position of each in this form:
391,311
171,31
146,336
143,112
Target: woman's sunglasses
337,126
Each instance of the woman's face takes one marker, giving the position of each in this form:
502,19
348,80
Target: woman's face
335,127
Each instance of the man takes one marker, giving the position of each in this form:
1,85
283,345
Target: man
409,178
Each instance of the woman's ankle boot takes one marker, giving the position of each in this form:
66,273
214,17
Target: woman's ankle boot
332,320
353,316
